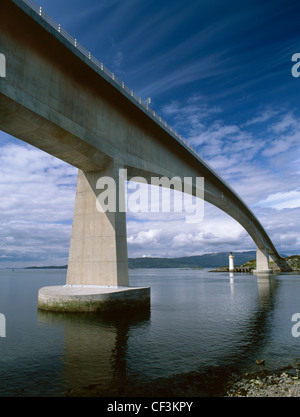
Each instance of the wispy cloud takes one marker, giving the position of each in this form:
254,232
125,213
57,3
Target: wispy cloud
286,122
264,117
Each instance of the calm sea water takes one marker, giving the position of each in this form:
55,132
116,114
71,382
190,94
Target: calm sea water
202,326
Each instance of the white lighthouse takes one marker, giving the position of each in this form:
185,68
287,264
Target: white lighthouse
231,262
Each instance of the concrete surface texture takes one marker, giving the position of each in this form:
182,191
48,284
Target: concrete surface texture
98,249
71,299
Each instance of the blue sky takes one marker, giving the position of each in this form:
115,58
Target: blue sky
219,72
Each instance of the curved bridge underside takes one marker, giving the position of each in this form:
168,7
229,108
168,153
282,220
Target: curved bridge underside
58,100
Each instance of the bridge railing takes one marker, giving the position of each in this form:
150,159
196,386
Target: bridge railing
112,76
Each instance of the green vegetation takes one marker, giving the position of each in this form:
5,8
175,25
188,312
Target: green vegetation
293,261
250,264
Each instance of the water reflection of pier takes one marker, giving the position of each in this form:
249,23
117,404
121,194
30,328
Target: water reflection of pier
265,285
255,325
94,351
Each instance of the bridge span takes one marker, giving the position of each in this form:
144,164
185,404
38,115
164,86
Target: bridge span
58,97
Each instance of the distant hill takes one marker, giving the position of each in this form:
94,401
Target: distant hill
47,267
202,261
209,260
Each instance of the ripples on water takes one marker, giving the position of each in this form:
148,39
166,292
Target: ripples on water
201,327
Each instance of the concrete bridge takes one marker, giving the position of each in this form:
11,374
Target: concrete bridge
58,97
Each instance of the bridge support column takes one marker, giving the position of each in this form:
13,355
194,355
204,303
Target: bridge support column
97,276
262,262
98,250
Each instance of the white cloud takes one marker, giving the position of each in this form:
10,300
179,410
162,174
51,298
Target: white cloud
35,183
36,205
282,200
216,232
143,237
286,122
265,116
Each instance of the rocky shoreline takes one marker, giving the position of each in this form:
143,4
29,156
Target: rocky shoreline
282,383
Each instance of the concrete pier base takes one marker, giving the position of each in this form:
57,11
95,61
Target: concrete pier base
262,272
86,298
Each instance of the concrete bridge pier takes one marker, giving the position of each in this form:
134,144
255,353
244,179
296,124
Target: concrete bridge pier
262,262
97,276
98,248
